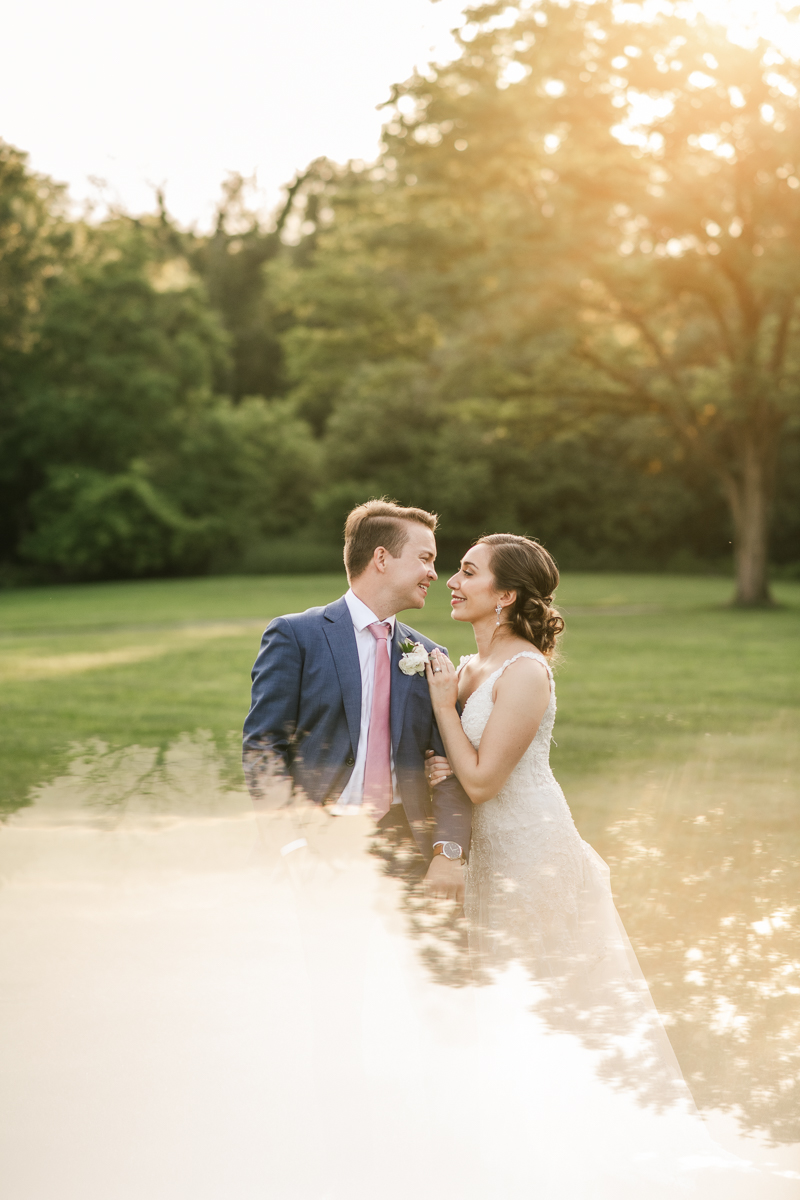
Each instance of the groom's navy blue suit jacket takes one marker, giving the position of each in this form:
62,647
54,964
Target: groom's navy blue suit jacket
305,720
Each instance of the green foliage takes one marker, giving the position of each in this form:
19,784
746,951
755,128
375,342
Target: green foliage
580,487
231,265
89,524
544,256
34,236
125,342
35,239
118,457
246,471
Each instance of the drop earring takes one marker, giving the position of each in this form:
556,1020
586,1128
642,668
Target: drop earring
498,610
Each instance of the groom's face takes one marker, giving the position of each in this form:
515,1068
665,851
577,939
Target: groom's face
411,574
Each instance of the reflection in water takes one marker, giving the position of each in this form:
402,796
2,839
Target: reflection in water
199,1001
601,997
710,900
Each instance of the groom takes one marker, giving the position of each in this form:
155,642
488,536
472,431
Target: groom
332,710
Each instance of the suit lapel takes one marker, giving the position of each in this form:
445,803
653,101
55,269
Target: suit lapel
342,641
401,685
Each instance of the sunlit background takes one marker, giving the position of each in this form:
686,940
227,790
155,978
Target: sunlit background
117,100
549,284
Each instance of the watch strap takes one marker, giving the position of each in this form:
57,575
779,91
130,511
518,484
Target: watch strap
439,849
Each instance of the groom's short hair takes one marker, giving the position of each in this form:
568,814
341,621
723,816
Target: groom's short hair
379,523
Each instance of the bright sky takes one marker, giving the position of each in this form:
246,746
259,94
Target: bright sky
180,92
747,19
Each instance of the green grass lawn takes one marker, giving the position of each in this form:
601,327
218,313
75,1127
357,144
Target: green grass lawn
678,738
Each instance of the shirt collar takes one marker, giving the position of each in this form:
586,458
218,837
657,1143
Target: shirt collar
361,615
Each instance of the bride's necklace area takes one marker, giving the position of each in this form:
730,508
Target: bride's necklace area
493,663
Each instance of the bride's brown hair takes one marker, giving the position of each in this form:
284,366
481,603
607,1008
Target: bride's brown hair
521,565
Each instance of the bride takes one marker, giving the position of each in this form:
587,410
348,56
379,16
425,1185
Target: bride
538,900
534,889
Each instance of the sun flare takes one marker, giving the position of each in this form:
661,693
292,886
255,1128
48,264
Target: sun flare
746,22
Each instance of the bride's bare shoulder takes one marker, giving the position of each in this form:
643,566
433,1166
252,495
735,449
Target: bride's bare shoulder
525,669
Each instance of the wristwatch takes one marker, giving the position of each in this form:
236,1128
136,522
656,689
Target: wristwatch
448,849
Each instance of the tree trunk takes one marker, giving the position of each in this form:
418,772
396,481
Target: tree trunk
749,497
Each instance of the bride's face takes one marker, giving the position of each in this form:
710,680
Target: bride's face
473,591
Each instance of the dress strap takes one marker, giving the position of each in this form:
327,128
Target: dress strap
534,654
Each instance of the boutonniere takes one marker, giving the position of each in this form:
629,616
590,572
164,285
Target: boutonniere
413,658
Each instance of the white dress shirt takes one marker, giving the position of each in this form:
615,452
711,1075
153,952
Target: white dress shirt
352,796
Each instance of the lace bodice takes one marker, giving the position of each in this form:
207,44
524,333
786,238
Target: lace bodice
535,762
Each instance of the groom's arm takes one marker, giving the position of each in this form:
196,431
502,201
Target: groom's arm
452,807
271,724
445,877
452,816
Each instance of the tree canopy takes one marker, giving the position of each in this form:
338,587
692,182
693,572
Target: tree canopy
581,218
121,456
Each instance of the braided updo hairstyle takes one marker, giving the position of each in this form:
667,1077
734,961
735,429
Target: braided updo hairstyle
521,565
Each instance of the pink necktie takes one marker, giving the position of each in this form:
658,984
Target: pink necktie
378,768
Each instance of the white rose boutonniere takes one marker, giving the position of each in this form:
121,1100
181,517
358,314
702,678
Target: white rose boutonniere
413,658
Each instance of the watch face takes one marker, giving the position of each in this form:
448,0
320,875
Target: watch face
451,850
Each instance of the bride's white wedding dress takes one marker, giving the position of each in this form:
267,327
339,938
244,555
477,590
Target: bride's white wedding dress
575,1036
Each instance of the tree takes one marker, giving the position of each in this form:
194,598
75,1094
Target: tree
34,235
232,263
35,238
418,325
123,458
634,185
698,319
